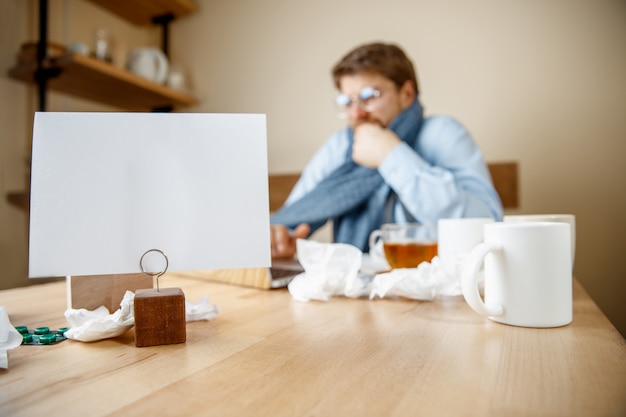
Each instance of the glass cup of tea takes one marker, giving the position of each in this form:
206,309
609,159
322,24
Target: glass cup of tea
404,245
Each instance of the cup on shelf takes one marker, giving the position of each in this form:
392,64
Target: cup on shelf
103,45
176,78
78,48
149,63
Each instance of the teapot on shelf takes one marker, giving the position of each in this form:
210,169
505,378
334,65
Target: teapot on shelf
149,63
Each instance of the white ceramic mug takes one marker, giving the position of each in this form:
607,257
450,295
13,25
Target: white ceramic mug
457,237
528,276
78,48
561,218
149,63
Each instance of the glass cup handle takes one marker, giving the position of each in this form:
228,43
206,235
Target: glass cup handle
374,250
469,280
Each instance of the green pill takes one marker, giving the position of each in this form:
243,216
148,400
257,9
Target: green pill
47,339
22,329
28,338
42,330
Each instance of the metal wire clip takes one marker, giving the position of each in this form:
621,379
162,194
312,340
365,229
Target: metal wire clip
158,273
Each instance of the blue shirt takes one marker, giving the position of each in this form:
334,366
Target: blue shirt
443,176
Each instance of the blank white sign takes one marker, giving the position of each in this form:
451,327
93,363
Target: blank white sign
107,187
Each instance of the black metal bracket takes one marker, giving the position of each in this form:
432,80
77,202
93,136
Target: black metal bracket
162,109
41,75
164,21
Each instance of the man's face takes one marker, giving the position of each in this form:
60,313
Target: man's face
380,110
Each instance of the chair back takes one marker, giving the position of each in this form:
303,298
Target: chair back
503,174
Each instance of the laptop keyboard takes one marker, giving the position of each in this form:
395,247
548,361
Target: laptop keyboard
282,272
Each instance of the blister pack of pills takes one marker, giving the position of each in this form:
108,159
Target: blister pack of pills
41,335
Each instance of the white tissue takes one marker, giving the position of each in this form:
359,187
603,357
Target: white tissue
425,282
333,269
9,338
98,324
329,269
201,311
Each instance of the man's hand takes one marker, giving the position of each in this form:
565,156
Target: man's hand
372,143
283,242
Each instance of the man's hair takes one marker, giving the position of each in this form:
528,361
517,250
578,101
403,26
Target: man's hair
387,60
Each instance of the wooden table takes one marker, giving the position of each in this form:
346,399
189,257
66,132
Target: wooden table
268,355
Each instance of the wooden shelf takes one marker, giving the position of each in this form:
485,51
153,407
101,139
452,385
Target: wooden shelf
141,12
100,81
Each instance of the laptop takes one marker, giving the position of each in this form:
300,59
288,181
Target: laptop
278,275
283,271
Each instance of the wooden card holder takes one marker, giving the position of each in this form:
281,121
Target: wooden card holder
92,291
160,317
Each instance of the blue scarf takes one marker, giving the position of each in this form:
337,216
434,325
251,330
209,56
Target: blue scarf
344,196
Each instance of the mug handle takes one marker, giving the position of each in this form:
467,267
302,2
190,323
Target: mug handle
469,280
374,236
162,66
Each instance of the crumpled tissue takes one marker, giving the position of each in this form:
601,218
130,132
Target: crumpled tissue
426,282
201,311
91,325
9,338
340,269
98,324
329,269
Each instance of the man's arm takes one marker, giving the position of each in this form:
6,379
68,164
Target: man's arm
445,176
326,160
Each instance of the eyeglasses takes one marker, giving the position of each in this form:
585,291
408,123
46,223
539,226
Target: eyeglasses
366,100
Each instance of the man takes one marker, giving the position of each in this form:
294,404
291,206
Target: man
390,165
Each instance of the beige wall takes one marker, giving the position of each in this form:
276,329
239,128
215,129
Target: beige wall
538,82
